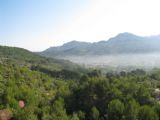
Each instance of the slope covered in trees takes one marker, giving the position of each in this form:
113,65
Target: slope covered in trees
25,57
116,96
30,92
53,67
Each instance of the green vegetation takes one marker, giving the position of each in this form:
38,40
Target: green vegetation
26,58
33,90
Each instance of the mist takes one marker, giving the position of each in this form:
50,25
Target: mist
120,61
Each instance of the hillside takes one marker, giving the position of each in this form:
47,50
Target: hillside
124,43
33,87
26,94
53,67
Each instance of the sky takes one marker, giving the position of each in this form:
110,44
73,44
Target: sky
39,24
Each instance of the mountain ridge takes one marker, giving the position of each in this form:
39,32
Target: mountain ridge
122,43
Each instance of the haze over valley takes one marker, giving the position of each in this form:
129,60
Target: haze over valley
118,61
123,51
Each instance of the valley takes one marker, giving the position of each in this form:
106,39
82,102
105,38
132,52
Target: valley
117,62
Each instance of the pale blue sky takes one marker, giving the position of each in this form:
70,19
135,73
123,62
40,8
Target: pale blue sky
39,24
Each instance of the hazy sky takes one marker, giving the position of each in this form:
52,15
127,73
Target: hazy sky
39,24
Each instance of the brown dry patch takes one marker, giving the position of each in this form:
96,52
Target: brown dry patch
5,114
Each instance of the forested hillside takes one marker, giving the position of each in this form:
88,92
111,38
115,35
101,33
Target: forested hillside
53,67
23,56
29,91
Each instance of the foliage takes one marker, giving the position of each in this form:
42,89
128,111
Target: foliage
65,94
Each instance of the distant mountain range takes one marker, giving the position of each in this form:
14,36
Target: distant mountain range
123,43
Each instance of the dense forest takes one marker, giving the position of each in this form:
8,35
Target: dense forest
33,87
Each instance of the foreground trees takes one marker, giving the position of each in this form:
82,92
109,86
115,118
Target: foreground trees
93,96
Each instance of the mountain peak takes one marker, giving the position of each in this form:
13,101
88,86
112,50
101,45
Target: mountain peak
126,34
75,42
124,37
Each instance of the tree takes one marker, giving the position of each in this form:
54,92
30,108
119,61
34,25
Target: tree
75,117
83,79
2,87
132,110
81,115
94,113
95,73
58,111
115,110
147,113
157,109
143,95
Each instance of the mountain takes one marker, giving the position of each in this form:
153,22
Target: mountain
123,43
69,48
